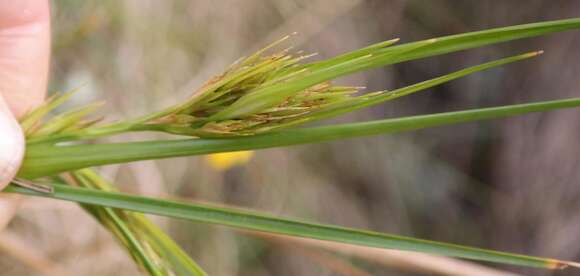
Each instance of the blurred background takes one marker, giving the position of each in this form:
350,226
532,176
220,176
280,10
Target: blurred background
507,184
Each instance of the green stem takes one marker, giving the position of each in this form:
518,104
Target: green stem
43,159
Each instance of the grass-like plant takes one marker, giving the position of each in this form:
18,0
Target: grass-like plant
254,104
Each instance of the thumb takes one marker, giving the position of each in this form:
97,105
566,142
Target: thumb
11,145
24,53
11,152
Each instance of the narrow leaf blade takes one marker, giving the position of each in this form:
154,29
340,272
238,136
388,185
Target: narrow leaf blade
45,159
266,223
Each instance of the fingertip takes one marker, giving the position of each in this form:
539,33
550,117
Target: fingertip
24,56
11,145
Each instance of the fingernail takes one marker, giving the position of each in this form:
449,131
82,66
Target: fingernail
11,145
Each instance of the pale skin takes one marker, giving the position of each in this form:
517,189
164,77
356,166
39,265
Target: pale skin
24,59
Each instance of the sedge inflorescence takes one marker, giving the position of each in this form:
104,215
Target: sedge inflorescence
206,112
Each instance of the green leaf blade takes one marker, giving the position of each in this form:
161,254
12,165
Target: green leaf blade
354,62
265,223
379,98
454,43
45,159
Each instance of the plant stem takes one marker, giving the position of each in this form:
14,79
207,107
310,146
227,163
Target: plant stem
43,159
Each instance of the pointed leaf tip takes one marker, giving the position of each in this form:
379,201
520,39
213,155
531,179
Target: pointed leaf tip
558,264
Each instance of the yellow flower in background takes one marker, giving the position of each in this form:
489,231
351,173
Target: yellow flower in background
226,160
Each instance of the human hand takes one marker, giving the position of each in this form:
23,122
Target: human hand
24,56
